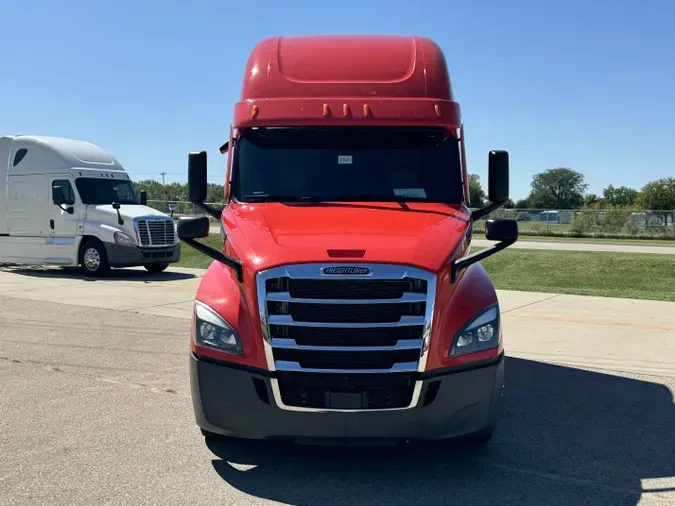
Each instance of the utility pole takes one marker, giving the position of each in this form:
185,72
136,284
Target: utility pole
163,174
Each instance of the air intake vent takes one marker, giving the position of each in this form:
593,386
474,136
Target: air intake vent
153,232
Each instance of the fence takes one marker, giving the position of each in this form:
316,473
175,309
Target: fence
590,222
609,223
178,208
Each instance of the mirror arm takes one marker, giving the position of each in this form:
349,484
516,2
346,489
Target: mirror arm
218,255
212,211
463,263
67,209
484,211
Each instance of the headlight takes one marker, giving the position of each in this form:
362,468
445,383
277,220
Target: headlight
122,238
213,331
481,333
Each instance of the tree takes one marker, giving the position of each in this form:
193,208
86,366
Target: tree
592,199
559,188
509,204
476,192
523,203
659,195
215,193
621,196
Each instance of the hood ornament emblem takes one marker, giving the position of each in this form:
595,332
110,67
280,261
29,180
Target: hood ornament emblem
346,270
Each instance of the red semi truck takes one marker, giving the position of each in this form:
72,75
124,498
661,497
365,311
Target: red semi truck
344,304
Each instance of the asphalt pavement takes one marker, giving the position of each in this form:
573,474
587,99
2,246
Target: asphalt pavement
95,408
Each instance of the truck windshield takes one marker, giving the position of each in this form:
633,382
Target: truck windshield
382,164
106,191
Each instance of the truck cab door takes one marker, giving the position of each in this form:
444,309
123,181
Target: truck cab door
62,229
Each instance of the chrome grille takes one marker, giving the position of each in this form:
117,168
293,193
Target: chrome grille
344,342
155,232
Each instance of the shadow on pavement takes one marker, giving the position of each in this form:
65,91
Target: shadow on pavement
568,436
113,274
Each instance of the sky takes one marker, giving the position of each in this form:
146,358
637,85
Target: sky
586,85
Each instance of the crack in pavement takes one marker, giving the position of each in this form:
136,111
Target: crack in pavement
505,311
57,368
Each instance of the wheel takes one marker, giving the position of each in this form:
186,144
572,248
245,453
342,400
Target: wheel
156,267
93,258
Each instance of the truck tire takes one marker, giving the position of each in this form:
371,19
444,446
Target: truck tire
155,267
93,258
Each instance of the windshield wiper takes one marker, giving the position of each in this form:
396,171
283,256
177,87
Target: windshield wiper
276,198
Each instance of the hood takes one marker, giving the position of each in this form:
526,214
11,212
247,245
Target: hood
129,211
270,234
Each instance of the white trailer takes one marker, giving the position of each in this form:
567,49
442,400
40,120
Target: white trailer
68,202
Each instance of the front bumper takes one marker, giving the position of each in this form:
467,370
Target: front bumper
133,256
239,402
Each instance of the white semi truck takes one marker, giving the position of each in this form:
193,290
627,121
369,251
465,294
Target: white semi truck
70,203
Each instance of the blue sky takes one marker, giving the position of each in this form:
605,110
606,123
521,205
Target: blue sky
587,85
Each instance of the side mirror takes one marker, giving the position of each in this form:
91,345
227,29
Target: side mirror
224,148
58,197
116,206
144,198
197,177
501,230
498,183
197,183
193,227
498,177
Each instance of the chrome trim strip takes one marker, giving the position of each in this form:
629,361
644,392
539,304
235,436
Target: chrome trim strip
428,321
402,344
417,390
61,241
405,321
407,297
283,365
313,271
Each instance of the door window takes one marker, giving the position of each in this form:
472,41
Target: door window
68,191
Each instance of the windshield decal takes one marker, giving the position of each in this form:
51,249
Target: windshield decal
417,193
345,160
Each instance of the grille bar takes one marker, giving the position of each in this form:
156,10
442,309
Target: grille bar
296,367
405,321
291,344
406,297
329,327
345,288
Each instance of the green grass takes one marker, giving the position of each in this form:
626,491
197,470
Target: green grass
190,257
626,275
